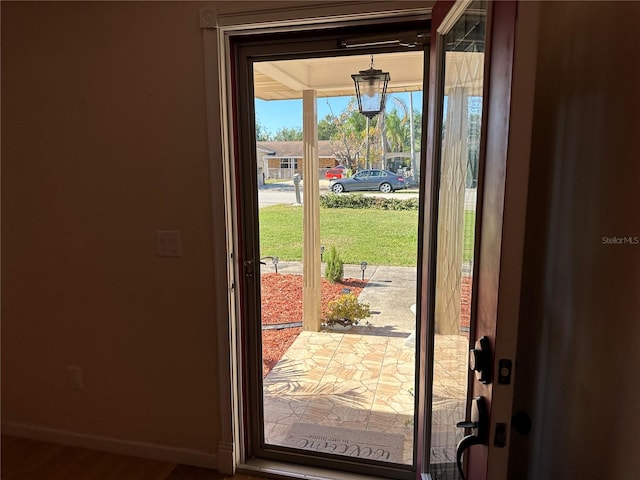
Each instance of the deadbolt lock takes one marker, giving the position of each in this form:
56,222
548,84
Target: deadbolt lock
480,360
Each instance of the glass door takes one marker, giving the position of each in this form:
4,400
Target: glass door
335,385
474,290
460,121
455,265
331,379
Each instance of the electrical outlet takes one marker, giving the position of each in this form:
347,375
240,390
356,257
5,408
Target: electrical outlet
169,243
75,377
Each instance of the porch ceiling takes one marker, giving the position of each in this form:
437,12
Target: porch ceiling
331,76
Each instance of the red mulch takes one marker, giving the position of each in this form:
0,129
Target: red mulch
282,303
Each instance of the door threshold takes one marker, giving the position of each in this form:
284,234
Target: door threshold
275,469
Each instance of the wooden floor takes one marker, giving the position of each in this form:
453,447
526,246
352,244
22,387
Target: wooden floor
32,460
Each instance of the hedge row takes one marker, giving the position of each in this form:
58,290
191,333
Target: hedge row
333,200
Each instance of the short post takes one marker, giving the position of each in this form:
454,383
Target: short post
296,184
275,261
363,267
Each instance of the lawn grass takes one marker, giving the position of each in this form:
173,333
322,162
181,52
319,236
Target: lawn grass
271,181
379,237
408,191
469,235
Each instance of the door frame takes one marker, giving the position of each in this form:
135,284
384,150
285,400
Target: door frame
248,50
218,30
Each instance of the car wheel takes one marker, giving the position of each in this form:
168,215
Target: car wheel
337,188
386,188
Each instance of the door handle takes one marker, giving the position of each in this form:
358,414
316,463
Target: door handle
479,425
249,268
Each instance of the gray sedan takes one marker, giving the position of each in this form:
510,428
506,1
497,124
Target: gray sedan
382,180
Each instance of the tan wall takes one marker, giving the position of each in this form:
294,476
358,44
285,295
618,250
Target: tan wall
580,323
103,143
325,162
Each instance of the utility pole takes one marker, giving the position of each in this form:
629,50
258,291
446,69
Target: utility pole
412,134
368,138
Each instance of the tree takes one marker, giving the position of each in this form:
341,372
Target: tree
397,132
397,128
417,130
349,138
327,127
288,134
262,134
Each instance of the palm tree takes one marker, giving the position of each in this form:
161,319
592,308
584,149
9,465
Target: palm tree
397,132
396,127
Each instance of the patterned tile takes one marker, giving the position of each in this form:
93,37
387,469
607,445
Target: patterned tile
365,382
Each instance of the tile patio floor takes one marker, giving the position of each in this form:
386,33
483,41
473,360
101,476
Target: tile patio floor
364,379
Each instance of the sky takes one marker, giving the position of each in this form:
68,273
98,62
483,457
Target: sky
274,115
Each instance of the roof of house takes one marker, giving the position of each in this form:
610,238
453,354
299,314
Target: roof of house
293,149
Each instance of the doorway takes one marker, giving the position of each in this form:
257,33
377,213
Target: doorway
269,439
318,392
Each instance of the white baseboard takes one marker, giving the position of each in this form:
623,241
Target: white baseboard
226,458
115,445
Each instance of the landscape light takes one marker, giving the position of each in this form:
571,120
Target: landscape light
363,267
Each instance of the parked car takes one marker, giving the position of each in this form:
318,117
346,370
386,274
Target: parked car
334,173
382,180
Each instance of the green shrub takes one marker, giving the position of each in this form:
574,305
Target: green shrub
357,200
346,310
334,271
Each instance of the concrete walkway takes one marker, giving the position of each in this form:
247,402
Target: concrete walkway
390,293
